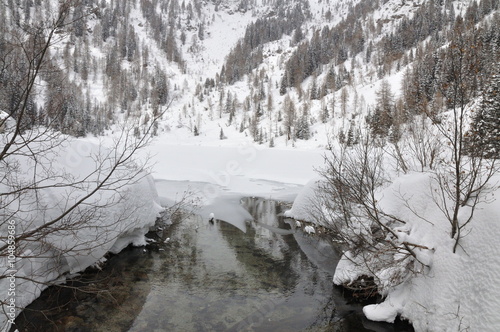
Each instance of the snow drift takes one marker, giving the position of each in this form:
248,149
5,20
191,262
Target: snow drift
53,239
452,288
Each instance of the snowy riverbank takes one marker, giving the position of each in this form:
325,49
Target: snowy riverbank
453,288
61,229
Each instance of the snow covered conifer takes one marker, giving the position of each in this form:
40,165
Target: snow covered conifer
325,114
484,135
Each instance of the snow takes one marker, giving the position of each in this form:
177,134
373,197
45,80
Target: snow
213,169
225,31
448,293
5,121
127,210
309,229
216,174
228,209
302,205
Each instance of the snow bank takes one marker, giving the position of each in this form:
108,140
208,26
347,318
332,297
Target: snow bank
455,286
229,209
302,208
448,294
462,285
114,217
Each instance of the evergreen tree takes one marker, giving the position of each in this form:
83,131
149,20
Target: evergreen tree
271,142
351,140
254,127
259,111
201,31
342,138
325,114
298,35
313,92
331,79
242,126
382,120
284,84
344,98
484,135
229,103
302,130
289,110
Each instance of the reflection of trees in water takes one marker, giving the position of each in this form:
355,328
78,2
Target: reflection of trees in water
181,258
266,256
336,314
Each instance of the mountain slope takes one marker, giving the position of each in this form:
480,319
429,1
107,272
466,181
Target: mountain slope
413,80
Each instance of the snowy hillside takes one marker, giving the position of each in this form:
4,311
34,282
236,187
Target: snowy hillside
237,66
245,97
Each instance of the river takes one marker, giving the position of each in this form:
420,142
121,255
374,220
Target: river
199,275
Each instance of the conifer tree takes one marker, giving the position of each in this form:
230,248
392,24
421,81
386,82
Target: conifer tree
289,110
484,135
254,127
302,130
284,84
313,92
325,114
382,117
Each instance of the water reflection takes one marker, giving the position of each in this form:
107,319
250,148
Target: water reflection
215,277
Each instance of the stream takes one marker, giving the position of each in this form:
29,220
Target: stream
200,275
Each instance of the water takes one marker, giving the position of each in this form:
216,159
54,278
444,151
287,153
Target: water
210,277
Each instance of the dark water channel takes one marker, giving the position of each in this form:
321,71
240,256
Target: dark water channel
209,277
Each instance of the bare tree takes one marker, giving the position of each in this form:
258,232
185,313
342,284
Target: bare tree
347,203
55,192
420,148
468,176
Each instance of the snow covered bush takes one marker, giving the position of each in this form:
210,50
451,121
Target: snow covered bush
348,201
397,227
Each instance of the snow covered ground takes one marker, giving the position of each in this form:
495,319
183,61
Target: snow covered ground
54,240
216,173
456,291
245,168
